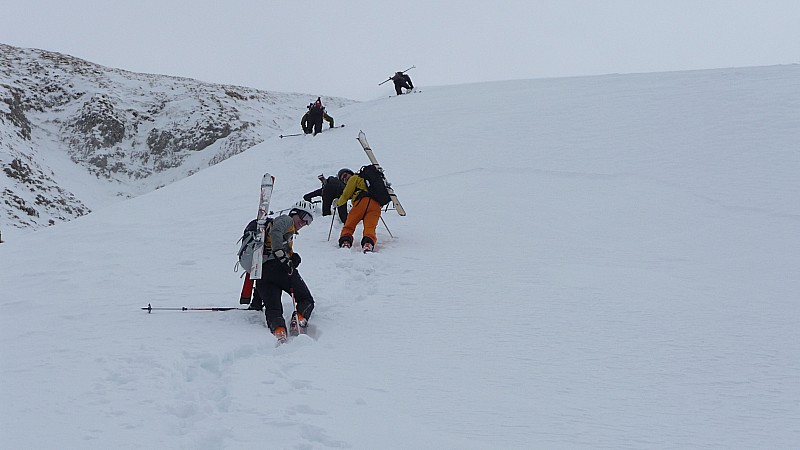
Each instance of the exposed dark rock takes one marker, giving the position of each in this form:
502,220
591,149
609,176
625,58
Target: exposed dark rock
16,115
99,123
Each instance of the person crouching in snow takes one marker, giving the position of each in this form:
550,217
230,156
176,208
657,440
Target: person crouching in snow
364,209
280,271
331,189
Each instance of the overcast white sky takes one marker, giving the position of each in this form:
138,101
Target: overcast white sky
345,48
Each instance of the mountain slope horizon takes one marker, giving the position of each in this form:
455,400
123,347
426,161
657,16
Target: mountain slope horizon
587,262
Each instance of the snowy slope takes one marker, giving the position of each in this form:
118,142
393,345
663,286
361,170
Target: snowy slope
599,262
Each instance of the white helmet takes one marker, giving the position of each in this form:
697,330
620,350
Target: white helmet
303,206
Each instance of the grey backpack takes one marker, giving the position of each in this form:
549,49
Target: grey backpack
249,243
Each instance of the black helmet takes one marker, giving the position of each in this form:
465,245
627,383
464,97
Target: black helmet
343,171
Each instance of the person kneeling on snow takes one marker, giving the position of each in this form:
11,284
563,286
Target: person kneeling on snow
279,273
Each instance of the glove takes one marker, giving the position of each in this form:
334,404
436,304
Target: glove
295,259
283,258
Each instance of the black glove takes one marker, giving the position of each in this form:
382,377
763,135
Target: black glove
283,258
295,258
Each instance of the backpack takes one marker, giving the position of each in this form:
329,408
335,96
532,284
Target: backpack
376,184
249,243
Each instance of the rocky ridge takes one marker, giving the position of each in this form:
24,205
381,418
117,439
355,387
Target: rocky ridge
128,132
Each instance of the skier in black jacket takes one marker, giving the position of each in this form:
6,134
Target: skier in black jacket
315,114
401,80
308,125
331,189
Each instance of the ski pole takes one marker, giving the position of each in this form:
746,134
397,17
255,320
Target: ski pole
387,228
294,325
333,216
150,309
294,302
289,135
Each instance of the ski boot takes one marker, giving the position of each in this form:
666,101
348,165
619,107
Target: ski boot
298,324
345,242
280,335
367,244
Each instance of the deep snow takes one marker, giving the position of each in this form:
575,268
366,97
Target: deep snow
596,262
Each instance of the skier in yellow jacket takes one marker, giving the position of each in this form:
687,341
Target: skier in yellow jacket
364,208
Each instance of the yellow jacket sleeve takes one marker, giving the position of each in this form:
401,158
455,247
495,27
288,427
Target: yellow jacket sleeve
355,185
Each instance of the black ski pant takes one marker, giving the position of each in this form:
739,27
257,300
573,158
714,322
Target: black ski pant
402,83
328,194
275,280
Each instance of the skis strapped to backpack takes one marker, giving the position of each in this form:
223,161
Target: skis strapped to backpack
249,242
267,183
362,139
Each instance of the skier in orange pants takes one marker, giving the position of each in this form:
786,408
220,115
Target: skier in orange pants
364,208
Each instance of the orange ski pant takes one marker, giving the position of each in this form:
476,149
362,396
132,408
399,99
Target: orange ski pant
369,211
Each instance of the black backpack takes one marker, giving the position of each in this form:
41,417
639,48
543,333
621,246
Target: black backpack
376,184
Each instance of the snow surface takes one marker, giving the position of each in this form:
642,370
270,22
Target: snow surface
596,262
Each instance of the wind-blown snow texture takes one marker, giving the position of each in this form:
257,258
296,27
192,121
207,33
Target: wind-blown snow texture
599,262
